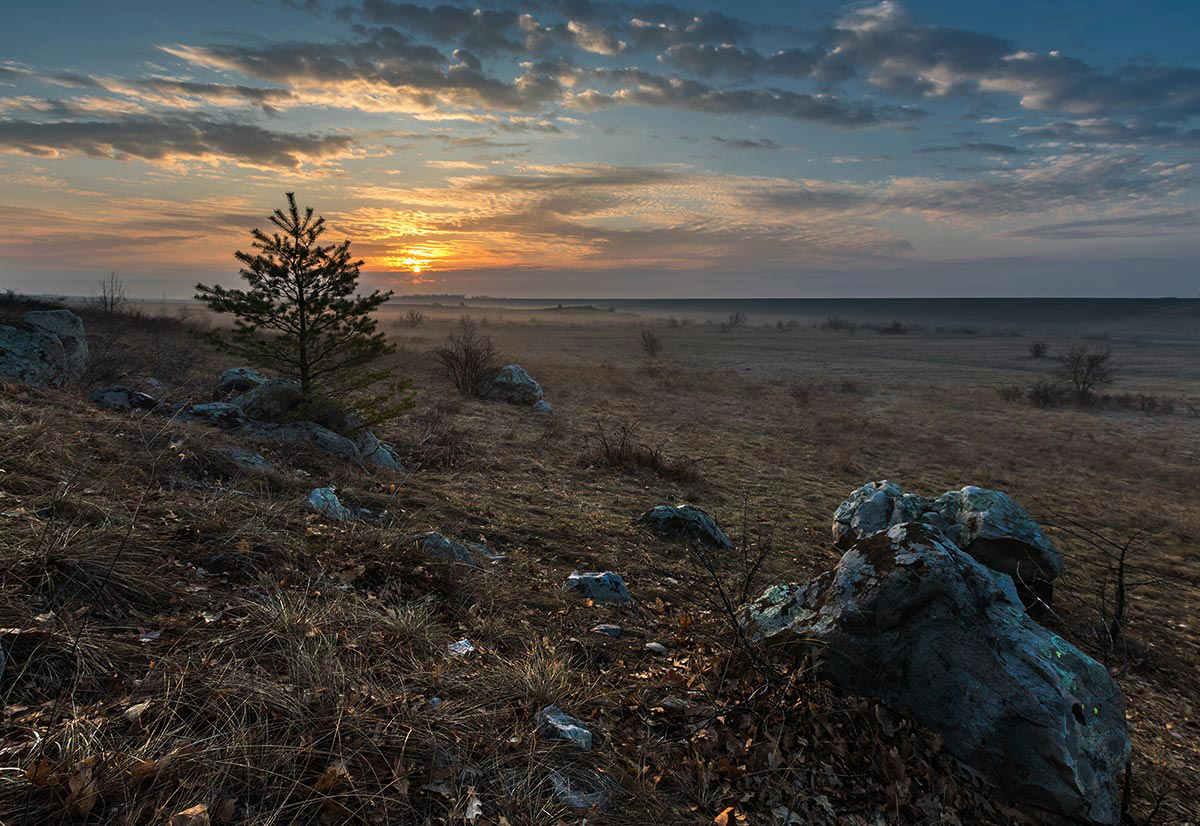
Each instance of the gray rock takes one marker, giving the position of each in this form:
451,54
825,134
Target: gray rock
120,397
602,586
274,401
444,548
238,380
309,434
246,459
987,524
685,522
462,648
513,385
607,630
657,648
324,501
553,722
581,791
543,406
46,349
375,452
908,617
221,414
876,506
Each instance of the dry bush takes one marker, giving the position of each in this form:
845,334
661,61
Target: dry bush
650,343
433,439
1038,349
468,358
620,448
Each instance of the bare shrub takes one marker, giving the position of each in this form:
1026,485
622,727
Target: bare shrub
1011,393
651,343
434,440
111,296
839,324
621,449
737,320
414,318
1038,349
893,329
1045,393
1081,370
467,357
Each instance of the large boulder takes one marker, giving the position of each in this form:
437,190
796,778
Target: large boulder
911,619
47,348
685,522
987,524
275,401
513,385
600,586
308,434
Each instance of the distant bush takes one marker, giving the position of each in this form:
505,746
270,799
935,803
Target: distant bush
837,323
414,318
737,320
468,358
1038,349
651,344
1011,393
849,386
1046,393
893,329
621,449
1082,370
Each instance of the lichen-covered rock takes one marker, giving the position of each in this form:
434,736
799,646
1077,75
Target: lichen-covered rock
238,380
221,414
274,401
120,397
513,385
324,501
876,506
911,619
375,452
543,406
601,586
247,459
308,434
685,522
46,349
987,524
554,722
445,548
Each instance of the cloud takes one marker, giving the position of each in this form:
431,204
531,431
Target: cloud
726,58
747,143
1148,225
170,139
1114,132
973,146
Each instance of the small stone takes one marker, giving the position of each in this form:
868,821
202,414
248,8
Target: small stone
583,792
462,648
657,648
607,630
554,722
445,548
324,501
239,380
120,397
543,406
685,522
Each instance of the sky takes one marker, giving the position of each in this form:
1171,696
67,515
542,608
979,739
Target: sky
601,148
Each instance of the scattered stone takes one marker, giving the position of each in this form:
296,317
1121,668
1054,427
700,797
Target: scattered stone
375,452
603,586
120,397
911,619
46,349
324,501
462,648
553,722
433,702
238,380
580,792
513,385
442,547
987,524
543,406
687,523
657,648
310,434
613,631
247,460
221,414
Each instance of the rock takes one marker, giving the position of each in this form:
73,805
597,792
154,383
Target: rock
553,722
47,349
513,385
579,792
238,380
375,452
246,459
274,401
310,434
120,397
222,414
876,506
613,631
657,648
987,524
687,523
324,501
462,648
998,532
444,548
543,406
911,619
602,586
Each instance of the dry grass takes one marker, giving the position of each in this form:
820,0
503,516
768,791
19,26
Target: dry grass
181,632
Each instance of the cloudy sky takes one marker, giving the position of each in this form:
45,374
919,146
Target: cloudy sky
607,148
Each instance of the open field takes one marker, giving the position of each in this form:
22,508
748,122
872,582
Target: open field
286,665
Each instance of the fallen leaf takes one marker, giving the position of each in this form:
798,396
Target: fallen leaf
333,777
82,792
134,713
474,805
724,818
195,816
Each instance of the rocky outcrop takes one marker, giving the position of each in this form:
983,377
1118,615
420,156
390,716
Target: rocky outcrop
687,523
987,524
47,348
513,385
602,586
238,380
908,617
272,401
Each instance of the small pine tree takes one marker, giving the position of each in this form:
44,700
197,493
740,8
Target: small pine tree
302,319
